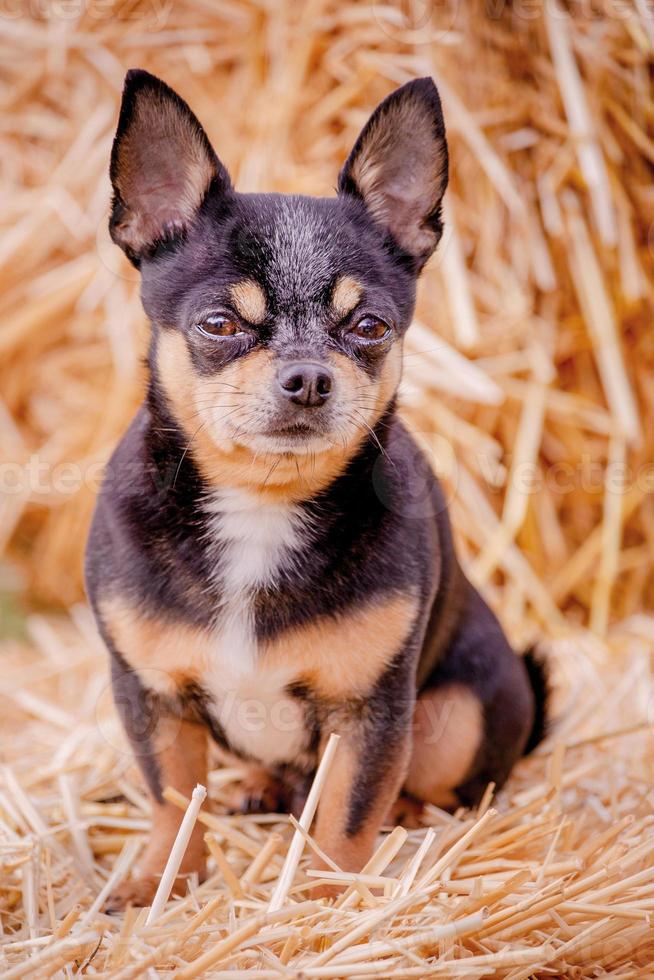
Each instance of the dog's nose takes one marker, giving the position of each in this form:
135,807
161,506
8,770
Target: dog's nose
305,382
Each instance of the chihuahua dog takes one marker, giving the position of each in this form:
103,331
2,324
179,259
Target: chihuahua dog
270,559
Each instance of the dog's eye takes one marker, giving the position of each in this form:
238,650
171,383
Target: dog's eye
219,326
370,328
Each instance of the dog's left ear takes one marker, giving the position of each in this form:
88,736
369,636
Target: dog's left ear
398,168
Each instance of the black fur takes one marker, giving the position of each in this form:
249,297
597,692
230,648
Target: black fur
539,679
140,711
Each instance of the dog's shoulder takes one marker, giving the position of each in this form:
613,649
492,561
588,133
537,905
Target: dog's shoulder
146,534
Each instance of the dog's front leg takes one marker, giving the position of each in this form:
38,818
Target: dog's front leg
365,778
170,751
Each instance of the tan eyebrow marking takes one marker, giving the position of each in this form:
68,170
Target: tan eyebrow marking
250,300
346,295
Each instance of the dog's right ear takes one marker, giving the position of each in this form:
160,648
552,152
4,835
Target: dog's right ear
162,166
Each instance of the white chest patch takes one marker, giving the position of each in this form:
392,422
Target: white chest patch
254,540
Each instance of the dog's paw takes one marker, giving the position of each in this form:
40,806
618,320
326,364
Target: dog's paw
407,811
137,891
259,792
326,891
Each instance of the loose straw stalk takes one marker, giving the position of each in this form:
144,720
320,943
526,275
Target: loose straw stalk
297,844
176,854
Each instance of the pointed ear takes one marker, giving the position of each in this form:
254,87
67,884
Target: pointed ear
398,167
162,166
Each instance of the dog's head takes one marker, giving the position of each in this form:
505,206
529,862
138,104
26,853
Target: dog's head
278,320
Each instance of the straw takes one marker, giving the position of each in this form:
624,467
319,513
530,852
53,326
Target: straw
297,844
176,854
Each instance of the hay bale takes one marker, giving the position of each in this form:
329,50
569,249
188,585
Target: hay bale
527,373
532,350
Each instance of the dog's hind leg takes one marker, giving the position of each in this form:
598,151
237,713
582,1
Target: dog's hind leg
448,729
474,716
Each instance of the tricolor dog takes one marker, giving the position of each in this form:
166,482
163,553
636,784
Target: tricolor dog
257,565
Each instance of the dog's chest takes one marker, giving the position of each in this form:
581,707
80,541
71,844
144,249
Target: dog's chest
253,541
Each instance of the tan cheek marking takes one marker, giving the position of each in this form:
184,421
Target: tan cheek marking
348,373
171,653
343,657
390,378
193,400
372,400
346,295
253,372
250,300
229,464
174,368
448,730
188,392
191,397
